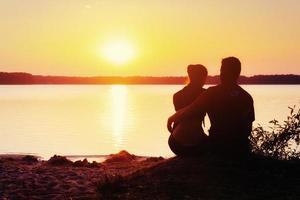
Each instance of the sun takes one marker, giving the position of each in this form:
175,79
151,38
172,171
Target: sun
118,52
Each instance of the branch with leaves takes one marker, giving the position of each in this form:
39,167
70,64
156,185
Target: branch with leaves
281,141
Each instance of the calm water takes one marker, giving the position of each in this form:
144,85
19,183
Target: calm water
103,119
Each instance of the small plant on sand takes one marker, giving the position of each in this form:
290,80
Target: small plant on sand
281,141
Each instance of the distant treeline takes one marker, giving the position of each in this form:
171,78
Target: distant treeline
26,78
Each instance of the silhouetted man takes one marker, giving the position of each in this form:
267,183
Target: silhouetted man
230,110
189,132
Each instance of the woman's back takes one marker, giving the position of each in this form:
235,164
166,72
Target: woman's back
188,132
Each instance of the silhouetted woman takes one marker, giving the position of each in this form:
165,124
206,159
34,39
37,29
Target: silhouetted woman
188,137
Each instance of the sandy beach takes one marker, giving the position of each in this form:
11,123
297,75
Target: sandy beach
26,177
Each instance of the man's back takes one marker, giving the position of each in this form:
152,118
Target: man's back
231,113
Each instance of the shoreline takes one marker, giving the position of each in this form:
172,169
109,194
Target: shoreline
28,78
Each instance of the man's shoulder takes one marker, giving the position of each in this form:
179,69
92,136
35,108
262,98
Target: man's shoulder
213,89
245,93
219,89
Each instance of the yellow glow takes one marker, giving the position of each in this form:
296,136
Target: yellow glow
148,38
118,52
119,98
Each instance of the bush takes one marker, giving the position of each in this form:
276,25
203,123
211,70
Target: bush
281,141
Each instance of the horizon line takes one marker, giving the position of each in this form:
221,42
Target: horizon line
128,76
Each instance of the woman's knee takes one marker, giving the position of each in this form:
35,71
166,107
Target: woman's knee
176,148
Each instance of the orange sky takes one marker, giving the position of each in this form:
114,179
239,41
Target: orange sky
67,37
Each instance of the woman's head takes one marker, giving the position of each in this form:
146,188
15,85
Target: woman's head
197,74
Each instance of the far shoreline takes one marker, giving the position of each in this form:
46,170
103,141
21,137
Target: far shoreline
87,84
21,78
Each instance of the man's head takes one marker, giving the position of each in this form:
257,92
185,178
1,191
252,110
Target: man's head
197,74
230,70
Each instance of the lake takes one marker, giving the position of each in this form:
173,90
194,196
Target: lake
104,119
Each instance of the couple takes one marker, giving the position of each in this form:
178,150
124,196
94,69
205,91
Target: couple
229,108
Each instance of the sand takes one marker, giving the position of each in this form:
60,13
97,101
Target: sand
27,177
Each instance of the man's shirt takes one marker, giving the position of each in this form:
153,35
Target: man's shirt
230,110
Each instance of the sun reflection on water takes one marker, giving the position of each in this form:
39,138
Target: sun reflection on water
119,112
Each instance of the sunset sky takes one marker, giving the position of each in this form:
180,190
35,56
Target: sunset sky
148,37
